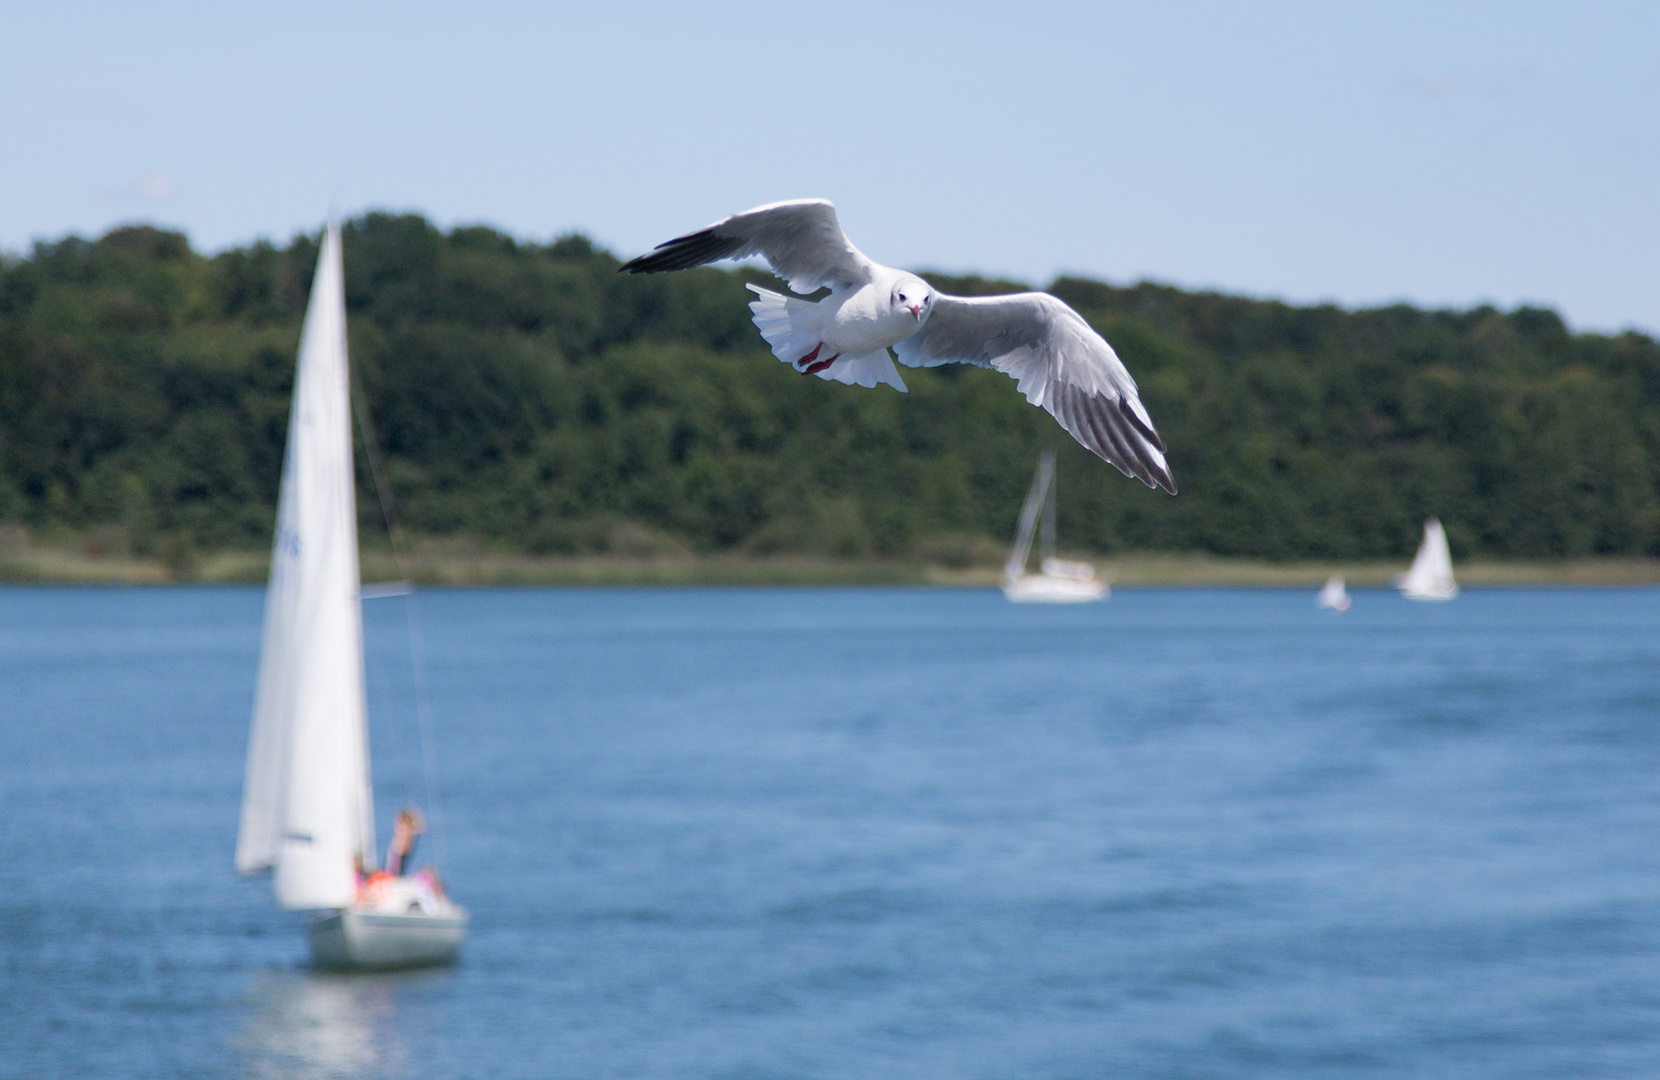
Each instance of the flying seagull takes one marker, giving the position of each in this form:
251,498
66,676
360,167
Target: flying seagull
1056,360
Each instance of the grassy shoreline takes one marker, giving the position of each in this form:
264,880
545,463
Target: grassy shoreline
23,562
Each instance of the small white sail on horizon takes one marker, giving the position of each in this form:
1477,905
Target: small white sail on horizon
1334,596
308,805
1431,575
1059,581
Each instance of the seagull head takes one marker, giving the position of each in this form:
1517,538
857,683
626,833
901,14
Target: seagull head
914,296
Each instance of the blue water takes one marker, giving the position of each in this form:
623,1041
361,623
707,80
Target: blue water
868,833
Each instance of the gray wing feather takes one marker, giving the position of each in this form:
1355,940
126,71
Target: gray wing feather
801,240
1058,362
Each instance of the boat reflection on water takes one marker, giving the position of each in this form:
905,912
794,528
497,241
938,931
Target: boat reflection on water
308,1025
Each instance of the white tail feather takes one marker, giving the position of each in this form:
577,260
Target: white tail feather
788,324
867,370
792,328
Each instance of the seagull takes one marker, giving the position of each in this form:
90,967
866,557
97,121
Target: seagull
1055,358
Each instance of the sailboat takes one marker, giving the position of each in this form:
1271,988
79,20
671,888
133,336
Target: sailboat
1334,597
1430,577
307,803
1059,581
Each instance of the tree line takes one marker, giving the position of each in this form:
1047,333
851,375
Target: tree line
529,397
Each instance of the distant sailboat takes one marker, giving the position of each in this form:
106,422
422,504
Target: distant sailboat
308,808
1334,597
1060,581
1431,576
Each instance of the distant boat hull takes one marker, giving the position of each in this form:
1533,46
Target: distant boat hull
1429,594
1054,589
353,940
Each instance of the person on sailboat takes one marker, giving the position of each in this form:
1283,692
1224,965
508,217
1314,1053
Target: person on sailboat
400,853
406,830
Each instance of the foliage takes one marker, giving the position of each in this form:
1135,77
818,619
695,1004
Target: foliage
529,395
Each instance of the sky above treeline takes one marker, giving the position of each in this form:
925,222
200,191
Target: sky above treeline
1442,154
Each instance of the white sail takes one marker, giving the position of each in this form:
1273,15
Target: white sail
307,811
1059,581
1035,499
1431,576
1334,597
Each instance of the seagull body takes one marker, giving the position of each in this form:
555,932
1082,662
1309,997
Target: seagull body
1056,359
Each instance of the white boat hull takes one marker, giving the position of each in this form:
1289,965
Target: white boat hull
1054,589
1430,594
352,939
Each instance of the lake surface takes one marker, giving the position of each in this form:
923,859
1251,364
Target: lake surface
867,833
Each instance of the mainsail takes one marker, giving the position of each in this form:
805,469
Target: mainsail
1059,581
1431,576
307,807
1036,501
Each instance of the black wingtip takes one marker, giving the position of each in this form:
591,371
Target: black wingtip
683,253
1159,473
1154,478
1136,422
1123,441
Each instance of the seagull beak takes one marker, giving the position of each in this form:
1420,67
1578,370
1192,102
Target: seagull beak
916,311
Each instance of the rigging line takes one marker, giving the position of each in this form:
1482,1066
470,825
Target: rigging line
417,651
381,683
423,716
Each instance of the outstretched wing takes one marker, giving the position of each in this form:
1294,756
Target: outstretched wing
1058,362
801,240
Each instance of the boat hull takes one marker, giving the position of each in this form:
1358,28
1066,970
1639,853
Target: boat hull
1053,589
352,940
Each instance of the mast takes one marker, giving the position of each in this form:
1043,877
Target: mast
1046,535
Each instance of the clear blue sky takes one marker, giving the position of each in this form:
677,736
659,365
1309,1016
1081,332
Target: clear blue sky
1440,153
